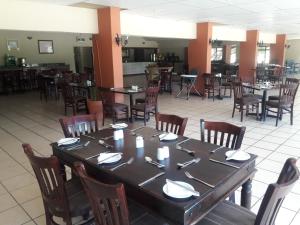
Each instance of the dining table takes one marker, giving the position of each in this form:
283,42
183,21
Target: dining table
145,183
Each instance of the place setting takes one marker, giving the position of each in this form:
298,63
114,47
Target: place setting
71,144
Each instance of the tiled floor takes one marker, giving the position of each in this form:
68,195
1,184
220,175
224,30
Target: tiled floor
24,118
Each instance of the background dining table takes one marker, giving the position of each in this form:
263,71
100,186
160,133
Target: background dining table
225,176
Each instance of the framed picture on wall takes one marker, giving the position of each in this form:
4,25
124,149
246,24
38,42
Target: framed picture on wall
45,46
12,45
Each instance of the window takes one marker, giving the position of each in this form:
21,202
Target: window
233,54
216,54
263,55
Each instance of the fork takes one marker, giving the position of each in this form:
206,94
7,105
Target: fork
123,164
182,165
197,179
192,153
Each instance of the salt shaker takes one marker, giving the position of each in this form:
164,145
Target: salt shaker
120,134
139,142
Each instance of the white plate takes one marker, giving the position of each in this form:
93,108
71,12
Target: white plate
238,156
174,191
109,157
168,137
119,125
67,141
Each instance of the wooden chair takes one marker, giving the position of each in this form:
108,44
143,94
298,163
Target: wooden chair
96,107
82,124
108,202
170,123
293,81
76,102
241,100
222,133
227,213
166,79
150,83
150,105
211,85
61,198
285,103
117,111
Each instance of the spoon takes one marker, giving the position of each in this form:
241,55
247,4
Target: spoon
190,152
123,164
101,142
149,160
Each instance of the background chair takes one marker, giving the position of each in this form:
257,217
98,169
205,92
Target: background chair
231,214
76,125
108,202
241,101
285,103
61,198
222,133
96,107
150,105
211,85
117,111
170,123
293,81
150,83
76,102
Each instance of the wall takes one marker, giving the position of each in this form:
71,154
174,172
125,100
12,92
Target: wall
35,16
63,44
226,33
293,52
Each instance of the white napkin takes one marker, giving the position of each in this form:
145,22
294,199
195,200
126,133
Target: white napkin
67,141
179,190
168,136
107,157
119,125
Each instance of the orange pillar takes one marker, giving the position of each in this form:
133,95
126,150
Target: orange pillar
199,52
107,54
227,53
278,50
248,55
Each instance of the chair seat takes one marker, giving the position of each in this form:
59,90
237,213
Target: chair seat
248,100
141,107
78,201
275,104
228,213
273,97
139,100
254,96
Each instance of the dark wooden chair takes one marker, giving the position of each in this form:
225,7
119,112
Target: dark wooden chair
227,213
285,103
96,107
211,85
118,111
82,124
166,80
109,202
222,133
150,83
61,198
143,110
72,100
294,81
170,123
241,101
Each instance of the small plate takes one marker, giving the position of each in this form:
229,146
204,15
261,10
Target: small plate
67,141
106,158
119,125
132,90
238,156
174,191
168,137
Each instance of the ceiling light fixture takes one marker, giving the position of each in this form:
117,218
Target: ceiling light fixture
287,46
215,42
120,41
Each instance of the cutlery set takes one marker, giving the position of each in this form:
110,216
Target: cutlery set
151,161
185,164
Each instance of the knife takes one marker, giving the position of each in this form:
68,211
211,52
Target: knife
151,179
216,149
223,163
195,193
88,136
183,141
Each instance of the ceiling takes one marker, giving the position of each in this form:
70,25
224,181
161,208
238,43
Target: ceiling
278,16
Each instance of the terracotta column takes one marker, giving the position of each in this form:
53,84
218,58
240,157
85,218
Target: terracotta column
248,55
107,54
227,53
199,52
278,50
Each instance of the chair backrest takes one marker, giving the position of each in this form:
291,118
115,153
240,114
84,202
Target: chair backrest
106,96
293,81
151,96
276,193
96,107
287,94
170,123
222,133
153,83
51,181
74,126
67,91
238,90
108,202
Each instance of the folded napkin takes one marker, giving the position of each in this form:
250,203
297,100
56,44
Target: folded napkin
108,157
168,136
180,189
119,125
67,141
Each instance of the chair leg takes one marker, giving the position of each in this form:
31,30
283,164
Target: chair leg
277,117
233,110
257,111
291,115
242,112
145,114
74,109
232,197
65,109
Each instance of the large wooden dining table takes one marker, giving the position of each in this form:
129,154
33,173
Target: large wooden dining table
225,178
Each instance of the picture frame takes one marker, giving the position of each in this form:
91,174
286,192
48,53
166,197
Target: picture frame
12,45
45,46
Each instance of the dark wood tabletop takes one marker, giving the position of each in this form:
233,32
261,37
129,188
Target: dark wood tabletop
188,211
127,90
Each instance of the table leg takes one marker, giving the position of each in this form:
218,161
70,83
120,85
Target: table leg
130,105
246,194
263,106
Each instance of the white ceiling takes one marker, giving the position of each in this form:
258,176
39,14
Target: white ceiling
278,16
